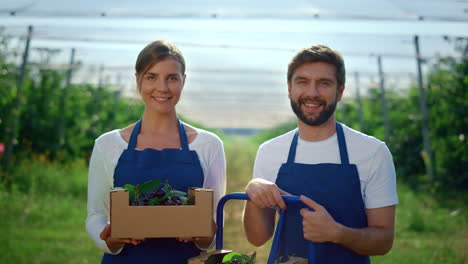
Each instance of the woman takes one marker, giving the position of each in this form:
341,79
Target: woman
153,148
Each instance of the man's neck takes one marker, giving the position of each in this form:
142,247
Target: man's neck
317,133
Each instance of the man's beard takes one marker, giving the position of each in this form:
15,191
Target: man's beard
322,117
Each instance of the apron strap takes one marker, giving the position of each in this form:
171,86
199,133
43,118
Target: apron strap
134,136
292,148
136,131
183,136
342,144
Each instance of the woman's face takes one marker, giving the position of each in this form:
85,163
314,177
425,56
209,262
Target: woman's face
161,86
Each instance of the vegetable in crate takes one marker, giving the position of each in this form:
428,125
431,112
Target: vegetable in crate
155,193
238,258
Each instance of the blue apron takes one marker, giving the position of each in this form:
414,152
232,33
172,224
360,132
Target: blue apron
182,169
337,188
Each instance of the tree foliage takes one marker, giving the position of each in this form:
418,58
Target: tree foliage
90,111
87,112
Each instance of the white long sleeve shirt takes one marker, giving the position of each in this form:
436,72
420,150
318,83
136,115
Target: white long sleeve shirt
106,153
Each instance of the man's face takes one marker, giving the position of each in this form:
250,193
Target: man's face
314,92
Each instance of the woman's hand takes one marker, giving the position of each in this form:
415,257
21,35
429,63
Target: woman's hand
116,242
202,242
187,239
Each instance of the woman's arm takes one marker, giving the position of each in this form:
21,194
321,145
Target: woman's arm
99,185
215,179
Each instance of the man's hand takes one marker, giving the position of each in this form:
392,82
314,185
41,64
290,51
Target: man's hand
113,243
375,239
265,194
318,225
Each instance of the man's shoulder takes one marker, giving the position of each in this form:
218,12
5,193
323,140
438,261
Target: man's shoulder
271,154
359,139
279,142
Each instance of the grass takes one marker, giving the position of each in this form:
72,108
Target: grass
43,217
427,232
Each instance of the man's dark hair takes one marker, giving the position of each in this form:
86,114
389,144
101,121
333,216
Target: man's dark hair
318,53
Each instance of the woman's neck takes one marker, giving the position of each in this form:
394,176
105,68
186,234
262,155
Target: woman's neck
153,123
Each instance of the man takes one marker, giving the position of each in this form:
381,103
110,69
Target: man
346,177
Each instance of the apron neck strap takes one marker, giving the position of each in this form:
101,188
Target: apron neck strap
341,145
136,131
134,136
183,136
292,148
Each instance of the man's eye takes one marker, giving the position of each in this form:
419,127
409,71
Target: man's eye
173,78
150,78
325,83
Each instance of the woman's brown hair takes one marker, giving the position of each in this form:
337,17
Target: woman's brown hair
155,52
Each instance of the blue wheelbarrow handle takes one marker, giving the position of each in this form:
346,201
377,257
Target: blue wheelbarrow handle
275,244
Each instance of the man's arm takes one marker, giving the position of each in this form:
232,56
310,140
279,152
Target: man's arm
376,239
259,223
259,218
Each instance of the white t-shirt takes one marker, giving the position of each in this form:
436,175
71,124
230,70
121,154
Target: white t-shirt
372,157
106,153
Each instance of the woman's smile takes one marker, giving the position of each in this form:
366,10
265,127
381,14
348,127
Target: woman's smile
161,99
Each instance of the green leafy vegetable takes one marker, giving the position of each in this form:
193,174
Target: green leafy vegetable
149,186
238,258
155,193
131,190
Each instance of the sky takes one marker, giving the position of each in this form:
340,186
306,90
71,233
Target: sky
237,51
